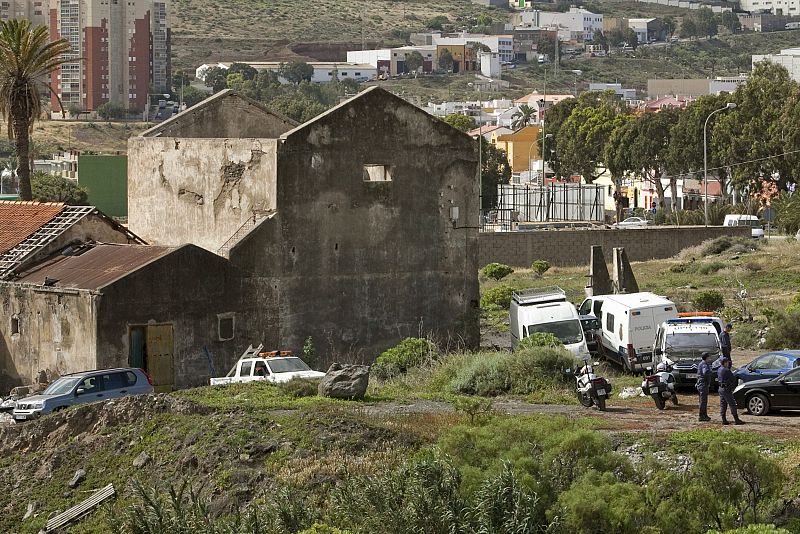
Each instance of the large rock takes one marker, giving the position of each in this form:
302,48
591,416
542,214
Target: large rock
345,381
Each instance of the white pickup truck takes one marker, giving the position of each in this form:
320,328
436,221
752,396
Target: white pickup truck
267,369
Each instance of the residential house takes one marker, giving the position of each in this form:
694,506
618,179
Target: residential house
527,42
357,228
522,148
323,71
763,21
648,29
580,23
776,7
398,58
465,55
665,102
488,130
625,94
541,102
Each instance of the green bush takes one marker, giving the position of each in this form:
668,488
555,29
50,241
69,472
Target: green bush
310,352
710,268
496,271
499,296
539,267
540,339
708,301
411,352
784,331
794,305
754,529
321,528
520,373
299,387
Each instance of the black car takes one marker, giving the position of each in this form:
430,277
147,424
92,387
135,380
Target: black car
591,329
779,393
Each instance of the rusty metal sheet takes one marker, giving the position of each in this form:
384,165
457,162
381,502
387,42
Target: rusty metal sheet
98,266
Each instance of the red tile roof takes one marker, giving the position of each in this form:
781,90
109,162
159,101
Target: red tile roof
20,219
96,267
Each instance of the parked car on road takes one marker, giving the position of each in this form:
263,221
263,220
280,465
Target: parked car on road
82,388
632,222
769,365
778,393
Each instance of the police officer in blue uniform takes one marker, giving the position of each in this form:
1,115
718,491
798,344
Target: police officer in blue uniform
725,341
704,378
727,383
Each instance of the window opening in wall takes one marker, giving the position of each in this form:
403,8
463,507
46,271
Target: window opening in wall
225,326
14,325
377,173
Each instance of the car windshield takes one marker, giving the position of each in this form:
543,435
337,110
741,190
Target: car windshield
692,344
287,365
61,386
568,332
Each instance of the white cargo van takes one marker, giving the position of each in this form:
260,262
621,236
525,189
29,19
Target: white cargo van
547,310
628,325
756,230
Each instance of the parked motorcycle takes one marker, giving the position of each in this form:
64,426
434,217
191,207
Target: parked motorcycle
592,389
661,385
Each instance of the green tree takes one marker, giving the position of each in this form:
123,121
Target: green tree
523,116
688,28
216,79
27,57
180,80
459,121
296,71
110,111
618,155
706,22
50,188
669,25
495,170
616,36
437,22
193,95
234,81
583,136
599,38
648,151
556,117
631,38
413,61
446,60
755,129
729,20
247,72
300,109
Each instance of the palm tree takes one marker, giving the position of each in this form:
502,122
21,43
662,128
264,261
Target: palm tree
523,116
27,57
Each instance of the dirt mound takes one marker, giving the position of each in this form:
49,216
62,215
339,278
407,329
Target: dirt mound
60,427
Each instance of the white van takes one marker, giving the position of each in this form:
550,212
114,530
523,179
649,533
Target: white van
756,230
628,325
547,310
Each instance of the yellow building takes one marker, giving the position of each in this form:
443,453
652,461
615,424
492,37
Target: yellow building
465,58
522,148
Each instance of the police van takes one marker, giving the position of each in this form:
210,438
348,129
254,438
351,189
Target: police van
628,324
547,310
682,341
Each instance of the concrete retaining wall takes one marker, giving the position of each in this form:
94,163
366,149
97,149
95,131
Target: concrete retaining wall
571,247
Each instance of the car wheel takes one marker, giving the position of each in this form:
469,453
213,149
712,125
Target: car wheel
758,404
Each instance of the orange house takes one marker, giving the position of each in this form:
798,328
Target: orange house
522,148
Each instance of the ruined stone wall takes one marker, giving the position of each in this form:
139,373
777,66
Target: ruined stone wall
198,191
360,265
57,330
187,289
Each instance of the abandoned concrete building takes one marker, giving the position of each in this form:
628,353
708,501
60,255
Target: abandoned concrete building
80,292
357,228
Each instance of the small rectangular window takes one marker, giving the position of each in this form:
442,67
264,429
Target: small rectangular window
609,322
246,368
225,326
377,173
14,325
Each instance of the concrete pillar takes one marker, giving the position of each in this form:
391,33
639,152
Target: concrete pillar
599,281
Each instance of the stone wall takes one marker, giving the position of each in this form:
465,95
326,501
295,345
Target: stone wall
571,247
45,329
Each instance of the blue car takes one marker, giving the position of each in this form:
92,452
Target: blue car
769,365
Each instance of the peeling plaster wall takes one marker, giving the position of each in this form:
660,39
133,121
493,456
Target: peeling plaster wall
57,333
198,191
362,265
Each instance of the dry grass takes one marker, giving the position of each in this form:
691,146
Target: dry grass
100,137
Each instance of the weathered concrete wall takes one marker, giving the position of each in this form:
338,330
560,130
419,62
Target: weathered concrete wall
57,331
226,114
572,247
198,191
362,265
188,289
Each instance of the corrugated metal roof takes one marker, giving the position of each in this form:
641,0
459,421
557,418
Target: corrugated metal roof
94,268
19,219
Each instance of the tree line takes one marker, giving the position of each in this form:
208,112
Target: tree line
757,141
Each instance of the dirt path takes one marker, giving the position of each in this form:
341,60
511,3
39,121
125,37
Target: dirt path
629,415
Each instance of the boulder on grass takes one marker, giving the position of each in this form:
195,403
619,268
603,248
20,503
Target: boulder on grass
344,381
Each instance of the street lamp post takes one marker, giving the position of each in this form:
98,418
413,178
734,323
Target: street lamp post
729,105
576,72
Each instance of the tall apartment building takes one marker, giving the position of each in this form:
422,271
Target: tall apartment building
35,11
120,49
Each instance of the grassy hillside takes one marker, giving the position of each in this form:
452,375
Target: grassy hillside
99,137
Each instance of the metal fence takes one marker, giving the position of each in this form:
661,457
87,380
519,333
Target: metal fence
553,202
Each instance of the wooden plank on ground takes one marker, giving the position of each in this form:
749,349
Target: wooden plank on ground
79,510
